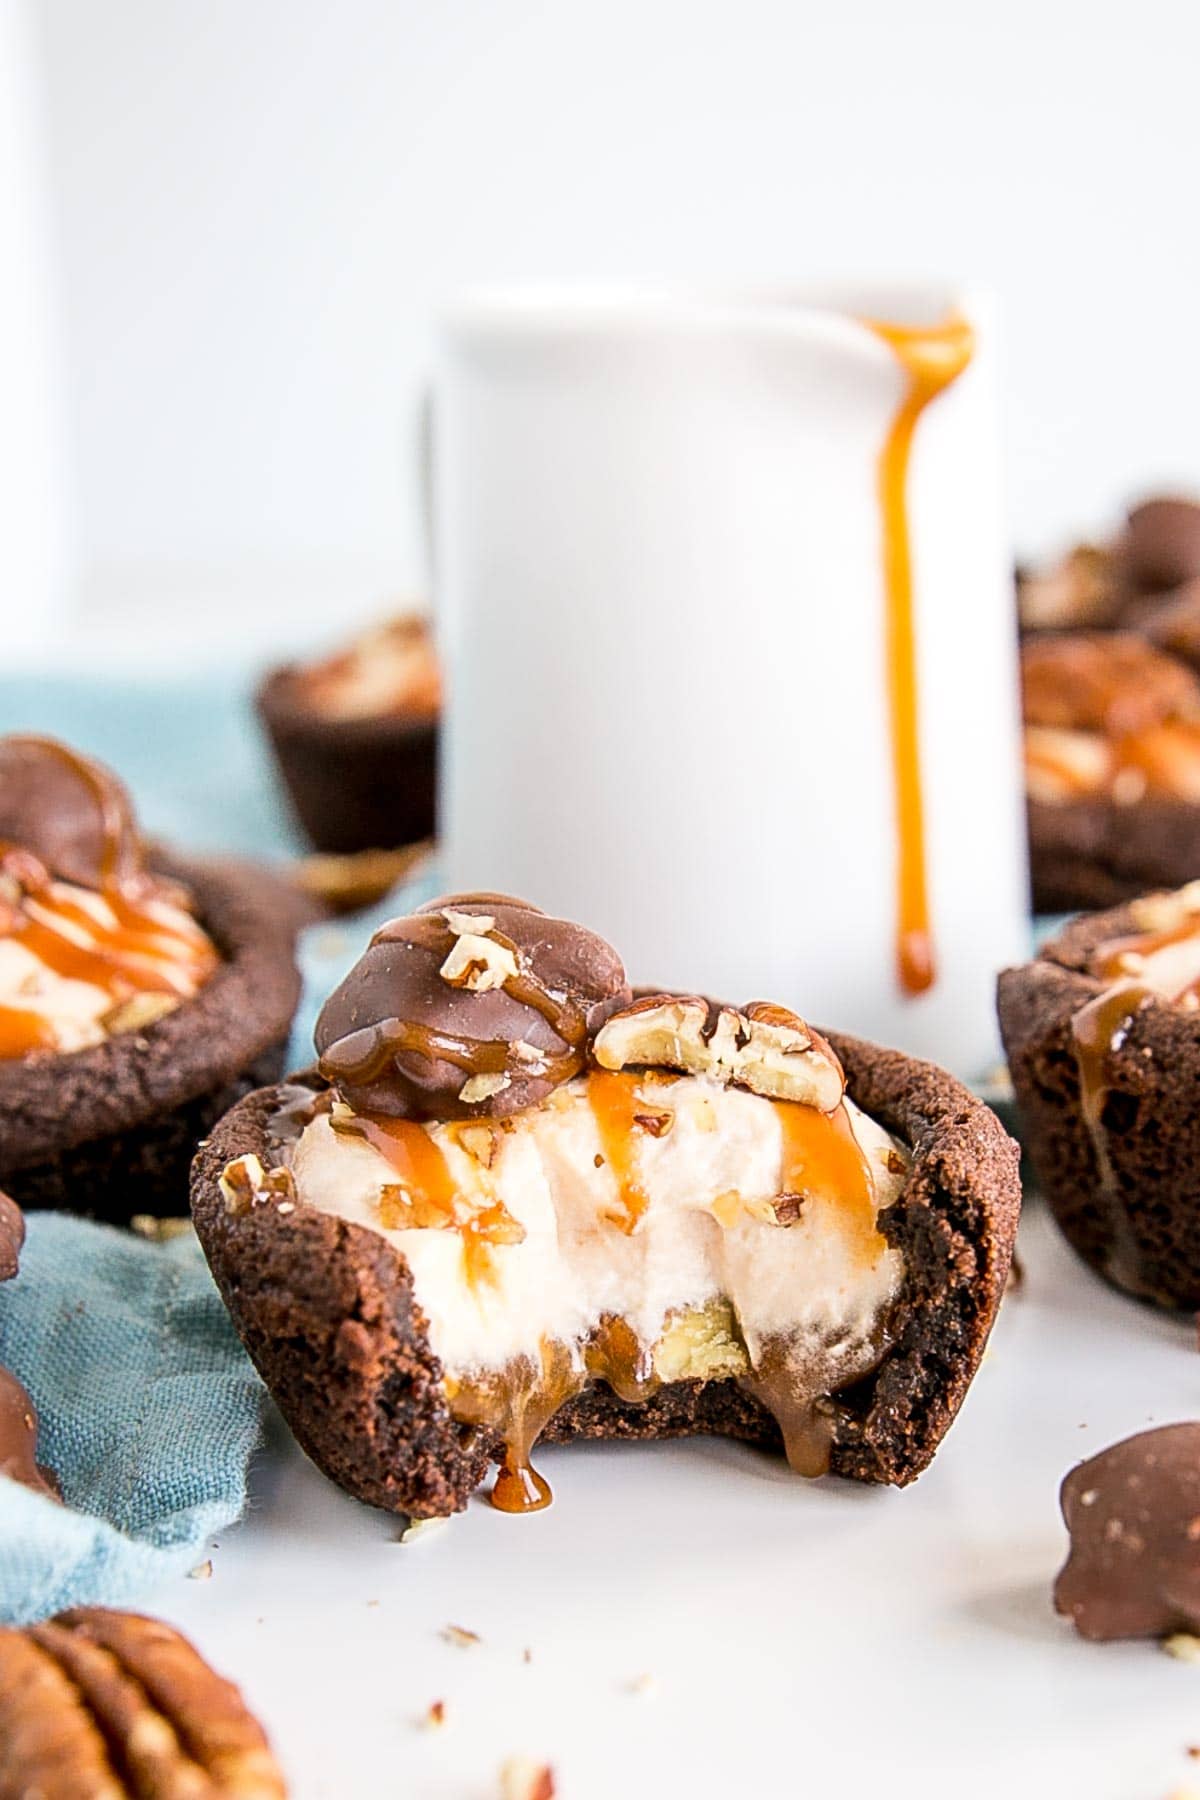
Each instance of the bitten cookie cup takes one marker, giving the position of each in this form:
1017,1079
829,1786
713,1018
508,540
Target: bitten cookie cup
140,995
677,1218
1102,1034
107,1704
360,767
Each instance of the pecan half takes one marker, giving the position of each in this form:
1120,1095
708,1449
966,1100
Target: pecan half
98,1705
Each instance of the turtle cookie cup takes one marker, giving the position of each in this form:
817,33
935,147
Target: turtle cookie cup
514,1204
139,995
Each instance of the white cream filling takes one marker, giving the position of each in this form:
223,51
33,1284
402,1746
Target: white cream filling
79,1012
391,668
819,1278
73,1009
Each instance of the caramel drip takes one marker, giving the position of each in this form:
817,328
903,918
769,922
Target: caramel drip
804,1418
621,1116
795,1384
616,1355
822,1156
932,358
1098,1030
517,1403
429,1197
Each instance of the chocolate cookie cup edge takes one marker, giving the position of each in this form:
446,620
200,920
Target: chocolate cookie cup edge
110,1130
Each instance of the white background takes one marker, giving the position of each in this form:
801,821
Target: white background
256,208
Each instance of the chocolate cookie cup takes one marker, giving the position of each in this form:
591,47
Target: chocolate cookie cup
141,995
357,781
1111,676
1102,1034
1095,853
833,1301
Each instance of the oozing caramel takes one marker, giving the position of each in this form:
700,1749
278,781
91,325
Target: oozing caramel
1098,1031
517,1403
932,357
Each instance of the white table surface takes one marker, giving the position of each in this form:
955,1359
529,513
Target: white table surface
800,1638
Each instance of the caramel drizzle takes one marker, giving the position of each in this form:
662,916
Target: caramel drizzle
621,1117
1098,1031
822,1156
933,358
1146,756
429,1197
133,951
1121,957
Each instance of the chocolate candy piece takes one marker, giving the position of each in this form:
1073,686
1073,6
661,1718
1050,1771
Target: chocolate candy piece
18,1438
476,1006
12,1236
73,814
1134,1517
1161,545
18,1420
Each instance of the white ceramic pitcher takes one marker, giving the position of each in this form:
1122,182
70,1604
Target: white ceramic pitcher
679,700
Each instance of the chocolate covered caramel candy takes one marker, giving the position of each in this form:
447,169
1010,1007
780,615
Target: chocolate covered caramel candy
68,811
18,1419
1160,546
1133,1513
12,1236
476,1006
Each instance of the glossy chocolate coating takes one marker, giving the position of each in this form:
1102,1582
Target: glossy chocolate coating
12,1236
1161,545
73,814
1134,1517
18,1420
397,1038
18,1439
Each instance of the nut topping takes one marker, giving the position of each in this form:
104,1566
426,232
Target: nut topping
764,1048
245,1183
478,962
523,1779
110,1704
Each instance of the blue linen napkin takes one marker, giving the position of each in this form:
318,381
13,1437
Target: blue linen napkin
150,1410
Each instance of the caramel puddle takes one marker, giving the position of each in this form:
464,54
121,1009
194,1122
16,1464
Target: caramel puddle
933,357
